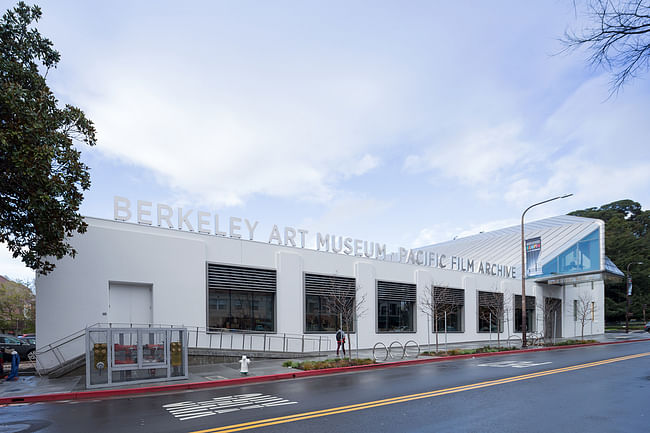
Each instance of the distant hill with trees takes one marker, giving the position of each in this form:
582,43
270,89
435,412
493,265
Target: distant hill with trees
627,240
17,307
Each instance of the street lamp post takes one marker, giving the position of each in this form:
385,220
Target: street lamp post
628,290
523,268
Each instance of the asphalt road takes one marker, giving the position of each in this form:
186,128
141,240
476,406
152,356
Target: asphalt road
594,389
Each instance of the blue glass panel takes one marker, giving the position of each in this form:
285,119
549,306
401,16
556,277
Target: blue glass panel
583,256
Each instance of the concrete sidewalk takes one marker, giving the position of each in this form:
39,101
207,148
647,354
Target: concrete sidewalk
31,385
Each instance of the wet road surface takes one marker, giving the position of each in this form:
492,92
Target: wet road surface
595,389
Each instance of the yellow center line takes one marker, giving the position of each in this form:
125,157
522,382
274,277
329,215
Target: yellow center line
404,398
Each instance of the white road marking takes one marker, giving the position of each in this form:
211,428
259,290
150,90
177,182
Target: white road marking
184,410
513,363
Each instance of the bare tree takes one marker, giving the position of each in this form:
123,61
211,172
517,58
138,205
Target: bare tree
437,302
585,308
344,302
618,38
547,311
493,309
509,308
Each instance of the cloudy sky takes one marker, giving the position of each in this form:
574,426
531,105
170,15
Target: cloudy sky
407,123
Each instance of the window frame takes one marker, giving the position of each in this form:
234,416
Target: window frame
229,304
304,305
413,309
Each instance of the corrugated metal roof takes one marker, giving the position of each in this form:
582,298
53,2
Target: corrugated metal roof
504,246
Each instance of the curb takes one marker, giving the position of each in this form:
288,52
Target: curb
86,395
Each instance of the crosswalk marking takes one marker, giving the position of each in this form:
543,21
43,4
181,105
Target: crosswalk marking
513,363
185,410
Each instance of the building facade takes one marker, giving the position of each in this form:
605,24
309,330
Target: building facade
135,273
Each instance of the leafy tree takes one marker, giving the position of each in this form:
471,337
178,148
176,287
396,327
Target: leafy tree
618,37
17,307
41,174
627,240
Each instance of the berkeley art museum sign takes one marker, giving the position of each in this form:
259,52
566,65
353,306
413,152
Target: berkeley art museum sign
163,215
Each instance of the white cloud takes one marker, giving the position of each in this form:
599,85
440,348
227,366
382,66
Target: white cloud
364,165
601,150
224,140
477,156
445,232
234,107
12,268
350,216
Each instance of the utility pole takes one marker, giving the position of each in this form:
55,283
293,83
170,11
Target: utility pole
523,268
629,294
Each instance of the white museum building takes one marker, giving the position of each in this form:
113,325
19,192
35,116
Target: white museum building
157,265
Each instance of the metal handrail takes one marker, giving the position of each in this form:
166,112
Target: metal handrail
64,340
198,337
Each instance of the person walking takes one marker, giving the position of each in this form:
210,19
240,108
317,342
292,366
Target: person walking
340,341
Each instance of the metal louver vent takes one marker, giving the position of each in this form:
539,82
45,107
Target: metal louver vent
446,295
225,277
329,285
485,299
390,291
530,302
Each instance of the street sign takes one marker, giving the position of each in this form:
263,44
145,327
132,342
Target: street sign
629,286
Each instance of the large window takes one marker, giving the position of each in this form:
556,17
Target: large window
490,312
530,313
241,298
583,256
449,308
330,303
395,307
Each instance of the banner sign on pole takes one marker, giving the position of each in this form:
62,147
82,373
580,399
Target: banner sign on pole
629,286
533,250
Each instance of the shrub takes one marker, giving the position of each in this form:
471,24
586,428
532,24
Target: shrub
572,342
327,363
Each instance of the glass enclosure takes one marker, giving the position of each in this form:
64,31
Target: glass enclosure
119,355
583,256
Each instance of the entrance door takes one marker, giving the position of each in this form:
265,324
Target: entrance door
552,317
130,303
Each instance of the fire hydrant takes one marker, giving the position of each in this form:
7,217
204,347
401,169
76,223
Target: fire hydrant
244,365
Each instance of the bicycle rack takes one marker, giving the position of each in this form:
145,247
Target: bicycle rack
396,350
417,347
374,348
390,349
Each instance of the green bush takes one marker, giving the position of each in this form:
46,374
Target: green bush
572,342
327,363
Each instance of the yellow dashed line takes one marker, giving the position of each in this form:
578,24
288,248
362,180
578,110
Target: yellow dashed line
404,398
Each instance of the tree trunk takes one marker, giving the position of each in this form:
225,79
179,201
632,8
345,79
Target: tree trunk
498,333
435,327
347,336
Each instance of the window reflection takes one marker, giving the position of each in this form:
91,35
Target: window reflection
241,309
